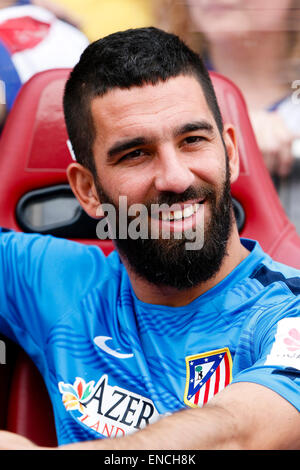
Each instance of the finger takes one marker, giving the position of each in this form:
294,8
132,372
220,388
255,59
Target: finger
270,160
285,161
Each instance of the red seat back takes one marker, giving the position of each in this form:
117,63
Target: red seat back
265,219
29,410
34,152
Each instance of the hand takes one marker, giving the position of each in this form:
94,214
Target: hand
274,140
11,441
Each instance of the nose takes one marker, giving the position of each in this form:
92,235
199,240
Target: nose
173,173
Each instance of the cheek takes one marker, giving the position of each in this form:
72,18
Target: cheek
210,168
213,25
132,184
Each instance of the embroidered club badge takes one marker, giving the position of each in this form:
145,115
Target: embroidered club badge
206,374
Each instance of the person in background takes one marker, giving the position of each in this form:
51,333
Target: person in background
99,18
32,39
257,45
57,9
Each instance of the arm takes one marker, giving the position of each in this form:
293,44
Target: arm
275,141
243,416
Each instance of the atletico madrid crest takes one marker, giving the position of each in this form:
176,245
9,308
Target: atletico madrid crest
207,374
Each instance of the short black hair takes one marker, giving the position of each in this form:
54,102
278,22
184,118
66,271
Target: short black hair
122,60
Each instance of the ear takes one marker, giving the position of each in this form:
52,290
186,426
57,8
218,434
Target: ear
230,140
82,183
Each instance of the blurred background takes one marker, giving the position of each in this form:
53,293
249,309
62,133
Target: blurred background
255,43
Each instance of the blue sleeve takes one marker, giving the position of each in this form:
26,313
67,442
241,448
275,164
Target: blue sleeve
42,279
275,351
9,75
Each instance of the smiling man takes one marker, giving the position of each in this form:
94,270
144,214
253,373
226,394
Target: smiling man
162,337
158,141
173,154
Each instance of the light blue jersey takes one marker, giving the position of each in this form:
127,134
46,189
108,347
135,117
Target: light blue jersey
113,364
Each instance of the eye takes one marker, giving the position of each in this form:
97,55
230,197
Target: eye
134,154
193,139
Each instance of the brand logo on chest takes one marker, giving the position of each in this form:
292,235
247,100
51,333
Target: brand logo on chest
109,410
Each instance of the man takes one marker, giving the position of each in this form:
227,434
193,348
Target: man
120,340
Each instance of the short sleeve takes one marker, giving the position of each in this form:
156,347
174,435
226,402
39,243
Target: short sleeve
42,278
276,354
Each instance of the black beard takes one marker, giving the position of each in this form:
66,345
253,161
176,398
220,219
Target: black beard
167,262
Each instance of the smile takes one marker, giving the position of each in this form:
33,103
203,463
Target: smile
179,217
180,214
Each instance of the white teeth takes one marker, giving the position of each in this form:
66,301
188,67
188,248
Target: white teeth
180,214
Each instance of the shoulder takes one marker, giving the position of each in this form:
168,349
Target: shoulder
259,282
54,257
265,273
267,292
277,277
275,307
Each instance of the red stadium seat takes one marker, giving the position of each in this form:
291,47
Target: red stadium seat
29,411
34,156
265,219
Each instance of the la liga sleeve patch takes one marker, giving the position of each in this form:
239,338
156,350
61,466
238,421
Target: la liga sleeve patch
286,347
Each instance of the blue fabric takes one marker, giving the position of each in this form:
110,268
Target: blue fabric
9,75
117,362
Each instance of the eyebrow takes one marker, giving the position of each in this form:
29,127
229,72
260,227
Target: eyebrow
124,145
194,126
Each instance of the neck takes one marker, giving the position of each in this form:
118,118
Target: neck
254,62
149,293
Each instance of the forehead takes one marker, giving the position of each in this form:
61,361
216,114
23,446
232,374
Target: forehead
149,108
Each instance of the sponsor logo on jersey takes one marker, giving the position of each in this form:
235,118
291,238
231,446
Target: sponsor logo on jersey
101,342
110,410
206,374
286,347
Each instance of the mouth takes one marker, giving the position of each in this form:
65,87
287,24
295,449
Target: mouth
179,213
179,217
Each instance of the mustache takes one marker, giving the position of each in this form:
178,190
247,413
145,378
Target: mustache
171,198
